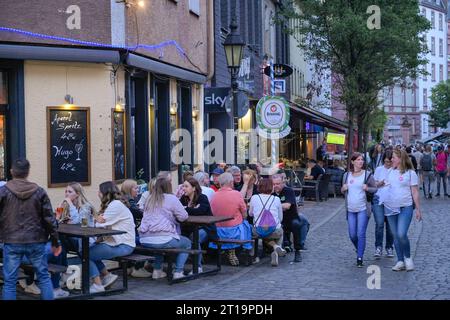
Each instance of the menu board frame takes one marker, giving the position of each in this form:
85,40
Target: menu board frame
124,143
87,131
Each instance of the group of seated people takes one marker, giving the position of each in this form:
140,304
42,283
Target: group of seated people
261,207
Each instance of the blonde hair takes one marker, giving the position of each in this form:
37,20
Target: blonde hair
82,199
151,185
156,198
252,174
127,186
405,162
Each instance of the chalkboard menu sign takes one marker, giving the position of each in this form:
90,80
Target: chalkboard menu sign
118,131
68,139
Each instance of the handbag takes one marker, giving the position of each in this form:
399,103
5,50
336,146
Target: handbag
369,195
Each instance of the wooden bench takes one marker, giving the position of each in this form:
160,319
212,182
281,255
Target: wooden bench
219,242
130,260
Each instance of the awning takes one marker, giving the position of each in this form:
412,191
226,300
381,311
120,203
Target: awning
321,119
164,68
32,52
441,137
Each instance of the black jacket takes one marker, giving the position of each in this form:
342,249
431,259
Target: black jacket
26,214
204,209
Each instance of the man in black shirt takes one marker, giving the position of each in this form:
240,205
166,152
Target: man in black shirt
292,221
316,170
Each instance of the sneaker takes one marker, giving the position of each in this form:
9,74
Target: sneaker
60,293
178,275
158,274
274,256
303,248
109,279
232,258
378,252
430,196
359,262
280,251
437,195
389,252
95,288
298,256
140,273
288,248
32,288
200,270
256,260
409,264
399,266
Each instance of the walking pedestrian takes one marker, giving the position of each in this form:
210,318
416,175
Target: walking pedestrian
427,163
402,195
356,183
378,210
26,223
441,170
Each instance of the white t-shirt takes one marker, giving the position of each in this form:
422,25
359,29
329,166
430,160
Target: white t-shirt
143,199
356,196
257,203
208,192
399,186
380,175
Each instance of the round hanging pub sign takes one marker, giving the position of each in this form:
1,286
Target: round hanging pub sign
272,116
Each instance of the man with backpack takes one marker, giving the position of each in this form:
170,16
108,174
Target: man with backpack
292,221
427,163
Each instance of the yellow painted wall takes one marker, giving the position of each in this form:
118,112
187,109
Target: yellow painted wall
46,84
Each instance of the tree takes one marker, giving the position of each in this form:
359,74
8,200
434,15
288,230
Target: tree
440,98
366,57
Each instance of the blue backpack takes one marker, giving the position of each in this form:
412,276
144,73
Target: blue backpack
267,224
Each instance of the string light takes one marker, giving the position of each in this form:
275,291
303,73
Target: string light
155,47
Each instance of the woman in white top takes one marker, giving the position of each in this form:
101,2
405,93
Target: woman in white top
378,209
403,191
356,183
266,201
114,215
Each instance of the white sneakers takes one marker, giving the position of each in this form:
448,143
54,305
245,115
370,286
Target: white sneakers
140,273
409,264
109,279
96,288
32,288
178,275
158,274
280,251
274,256
60,293
399,266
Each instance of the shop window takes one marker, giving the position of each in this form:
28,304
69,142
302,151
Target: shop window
194,6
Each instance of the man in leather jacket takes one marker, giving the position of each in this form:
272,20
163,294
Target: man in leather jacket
26,223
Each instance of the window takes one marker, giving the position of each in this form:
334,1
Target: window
440,22
441,48
433,25
433,72
3,88
441,72
425,75
425,97
433,46
194,6
424,12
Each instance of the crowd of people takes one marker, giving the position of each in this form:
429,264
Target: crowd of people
261,207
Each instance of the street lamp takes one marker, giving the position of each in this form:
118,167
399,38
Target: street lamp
234,51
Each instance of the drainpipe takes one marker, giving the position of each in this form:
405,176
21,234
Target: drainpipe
210,40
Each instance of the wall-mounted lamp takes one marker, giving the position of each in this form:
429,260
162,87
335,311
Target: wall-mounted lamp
129,3
68,99
174,108
120,105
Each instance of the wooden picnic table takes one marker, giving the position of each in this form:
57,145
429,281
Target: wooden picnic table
76,231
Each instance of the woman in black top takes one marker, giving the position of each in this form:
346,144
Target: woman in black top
197,204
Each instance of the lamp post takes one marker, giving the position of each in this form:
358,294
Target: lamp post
234,50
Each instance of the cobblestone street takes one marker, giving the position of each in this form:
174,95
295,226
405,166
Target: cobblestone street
328,268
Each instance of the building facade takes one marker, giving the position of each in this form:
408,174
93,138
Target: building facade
138,71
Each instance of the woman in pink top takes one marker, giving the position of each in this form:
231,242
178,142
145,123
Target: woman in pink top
441,170
229,202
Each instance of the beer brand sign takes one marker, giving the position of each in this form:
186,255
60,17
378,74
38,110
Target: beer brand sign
272,116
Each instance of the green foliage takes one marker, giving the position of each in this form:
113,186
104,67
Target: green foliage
440,97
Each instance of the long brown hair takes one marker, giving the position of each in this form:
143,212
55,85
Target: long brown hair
405,161
156,198
110,192
355,156
197,192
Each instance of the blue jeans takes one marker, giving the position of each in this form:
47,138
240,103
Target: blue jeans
102,251
357,227
399,224
59,260
183,243
380,219
202,238
299,227
13,255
